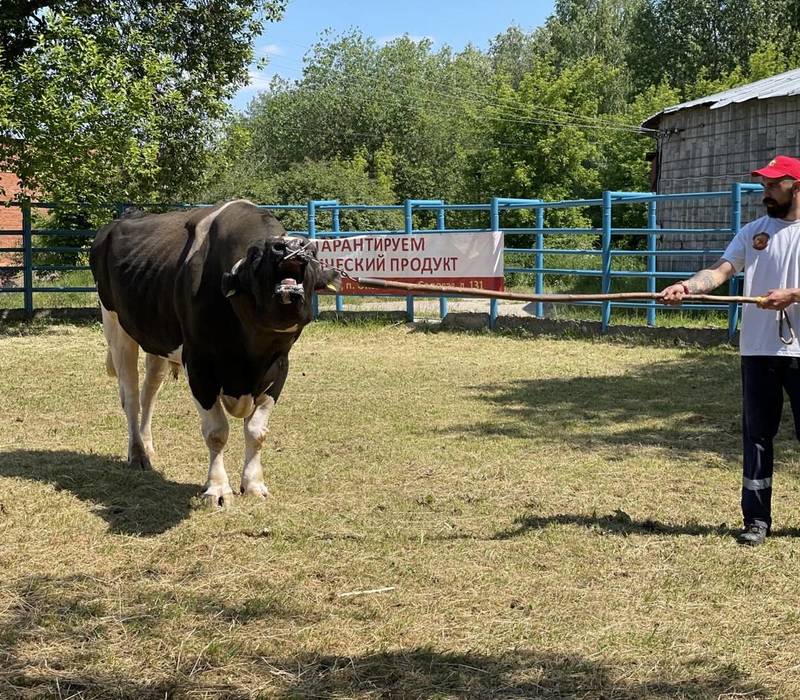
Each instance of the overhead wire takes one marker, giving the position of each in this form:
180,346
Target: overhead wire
489,98
508,113
457,102
450,108
585,118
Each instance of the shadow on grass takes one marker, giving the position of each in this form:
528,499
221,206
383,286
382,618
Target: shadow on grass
47,321
132,502
687,406
620,523
75,615
65,614
412,673
69,685
424,673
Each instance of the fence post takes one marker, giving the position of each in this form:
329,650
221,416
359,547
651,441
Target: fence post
440,226
651,262
336,228
312,234
605,315
409,229
733,285
539,261
494,222
27,259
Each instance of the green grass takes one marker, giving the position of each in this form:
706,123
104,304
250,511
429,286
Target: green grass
554,519
55,300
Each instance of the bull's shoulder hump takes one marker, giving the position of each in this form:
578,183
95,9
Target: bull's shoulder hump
207,214
243,220
202,221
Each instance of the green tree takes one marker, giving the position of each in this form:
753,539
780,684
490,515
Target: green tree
119,101
580,29
349,180
548,135
771,58
355,95
514,52
678,40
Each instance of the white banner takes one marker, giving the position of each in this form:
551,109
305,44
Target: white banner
455,259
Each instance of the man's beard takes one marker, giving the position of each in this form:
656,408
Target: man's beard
775,210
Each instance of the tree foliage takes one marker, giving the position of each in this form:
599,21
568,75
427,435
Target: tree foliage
119,100
126,101
357,97
677,40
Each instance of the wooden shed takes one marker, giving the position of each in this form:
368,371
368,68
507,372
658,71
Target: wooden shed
712,142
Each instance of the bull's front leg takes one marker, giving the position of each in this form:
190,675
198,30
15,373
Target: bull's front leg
255,432
217,491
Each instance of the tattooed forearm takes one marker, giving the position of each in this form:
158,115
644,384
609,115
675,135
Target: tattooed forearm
702,282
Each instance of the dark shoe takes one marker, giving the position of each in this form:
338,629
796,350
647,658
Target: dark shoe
753,534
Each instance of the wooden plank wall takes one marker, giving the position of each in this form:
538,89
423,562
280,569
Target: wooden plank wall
709,150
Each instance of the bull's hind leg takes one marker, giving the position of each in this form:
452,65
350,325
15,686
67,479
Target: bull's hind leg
255,432
156,369
125,356
217,490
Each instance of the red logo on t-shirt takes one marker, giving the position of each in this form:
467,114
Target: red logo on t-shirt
761,240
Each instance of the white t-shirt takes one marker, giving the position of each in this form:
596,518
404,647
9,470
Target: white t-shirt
768,250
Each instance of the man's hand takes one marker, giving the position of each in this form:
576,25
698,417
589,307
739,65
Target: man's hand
778,299
674,294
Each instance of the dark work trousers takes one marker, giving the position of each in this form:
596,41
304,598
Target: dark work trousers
764,380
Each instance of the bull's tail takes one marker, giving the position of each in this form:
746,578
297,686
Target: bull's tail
110,369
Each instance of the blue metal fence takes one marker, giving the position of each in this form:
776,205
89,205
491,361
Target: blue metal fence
34,273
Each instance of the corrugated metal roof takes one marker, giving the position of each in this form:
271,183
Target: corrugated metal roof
781,85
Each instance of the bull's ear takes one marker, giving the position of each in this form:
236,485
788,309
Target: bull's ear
236,280
253,258
229,284
329,279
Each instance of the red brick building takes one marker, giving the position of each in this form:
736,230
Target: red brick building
10,217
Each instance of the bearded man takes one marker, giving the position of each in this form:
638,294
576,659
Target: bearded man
768,250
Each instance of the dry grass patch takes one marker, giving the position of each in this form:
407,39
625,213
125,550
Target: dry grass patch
553,518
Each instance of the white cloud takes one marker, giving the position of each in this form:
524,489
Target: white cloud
269,50
258,81
383,40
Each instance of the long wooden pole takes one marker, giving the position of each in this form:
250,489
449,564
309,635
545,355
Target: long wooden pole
489,294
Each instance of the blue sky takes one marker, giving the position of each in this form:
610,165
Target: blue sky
452,22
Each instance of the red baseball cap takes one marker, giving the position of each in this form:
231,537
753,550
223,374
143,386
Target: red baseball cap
780,166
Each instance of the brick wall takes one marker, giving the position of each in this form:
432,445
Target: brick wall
710,150
10,217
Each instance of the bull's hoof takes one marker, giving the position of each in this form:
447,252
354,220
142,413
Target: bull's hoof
218,496
255,488
139,460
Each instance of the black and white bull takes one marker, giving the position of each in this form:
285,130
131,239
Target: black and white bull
222,291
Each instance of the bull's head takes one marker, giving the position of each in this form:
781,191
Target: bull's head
280,278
